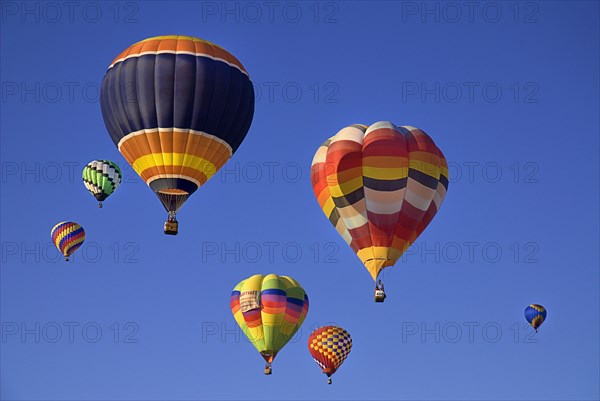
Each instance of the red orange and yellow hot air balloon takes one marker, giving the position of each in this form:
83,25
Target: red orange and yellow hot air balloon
380,186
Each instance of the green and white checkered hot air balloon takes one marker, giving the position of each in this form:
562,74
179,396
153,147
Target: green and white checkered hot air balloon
101,178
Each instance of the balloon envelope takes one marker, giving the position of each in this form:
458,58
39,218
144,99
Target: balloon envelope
379,186
101,178
269,310
535,315
68,237
329,347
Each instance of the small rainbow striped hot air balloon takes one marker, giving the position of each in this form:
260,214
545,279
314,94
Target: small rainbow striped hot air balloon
329,346
101,178
269,310
380,186
535,315
68,237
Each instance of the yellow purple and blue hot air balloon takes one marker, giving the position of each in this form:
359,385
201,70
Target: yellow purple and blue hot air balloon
535,315
329,347
269,309
68,237
177,108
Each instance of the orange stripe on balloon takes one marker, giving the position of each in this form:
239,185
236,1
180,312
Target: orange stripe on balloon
181,44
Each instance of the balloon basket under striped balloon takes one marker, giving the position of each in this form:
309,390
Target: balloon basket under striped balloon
171,227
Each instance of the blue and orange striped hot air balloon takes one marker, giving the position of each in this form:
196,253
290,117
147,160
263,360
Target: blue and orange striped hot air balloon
68,237
177,108
535,315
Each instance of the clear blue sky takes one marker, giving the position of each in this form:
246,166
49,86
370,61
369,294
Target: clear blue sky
509,92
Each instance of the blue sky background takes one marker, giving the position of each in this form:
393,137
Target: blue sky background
519,224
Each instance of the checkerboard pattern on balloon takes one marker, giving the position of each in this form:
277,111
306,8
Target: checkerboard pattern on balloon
101,178
330,346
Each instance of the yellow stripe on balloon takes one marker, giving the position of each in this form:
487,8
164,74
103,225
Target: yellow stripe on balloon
174,159
346,187
381,252
385,173
328,206
444,171
425,168
364,254
373,252
375,258
71,245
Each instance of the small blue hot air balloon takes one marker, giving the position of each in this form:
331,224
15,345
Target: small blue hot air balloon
535,315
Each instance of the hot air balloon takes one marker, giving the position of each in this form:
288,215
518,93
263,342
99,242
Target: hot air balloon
178,108
379,186
101,178
329,346
535,315
269,310
68,237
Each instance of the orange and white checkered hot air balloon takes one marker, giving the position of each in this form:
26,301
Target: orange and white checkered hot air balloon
329,346
379,186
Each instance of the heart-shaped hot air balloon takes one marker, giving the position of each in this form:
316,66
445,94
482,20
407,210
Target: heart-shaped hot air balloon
269,310
178,108
379,186
329,347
